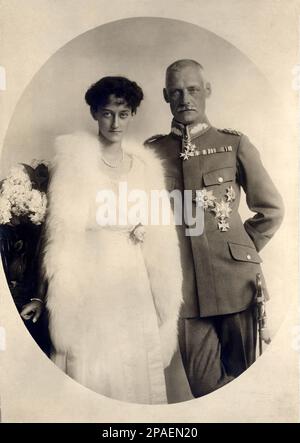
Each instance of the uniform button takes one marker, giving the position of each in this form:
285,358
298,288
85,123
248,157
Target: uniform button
220,179
249,257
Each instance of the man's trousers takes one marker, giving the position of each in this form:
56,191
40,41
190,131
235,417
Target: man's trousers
217,349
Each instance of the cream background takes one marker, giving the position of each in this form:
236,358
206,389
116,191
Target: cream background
31,32
53,102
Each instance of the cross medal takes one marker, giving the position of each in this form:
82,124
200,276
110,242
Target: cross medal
188,147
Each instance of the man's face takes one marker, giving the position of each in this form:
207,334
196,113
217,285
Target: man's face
186,93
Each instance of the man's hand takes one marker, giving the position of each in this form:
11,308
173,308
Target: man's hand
32,310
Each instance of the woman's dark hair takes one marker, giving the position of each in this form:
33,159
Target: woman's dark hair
98,93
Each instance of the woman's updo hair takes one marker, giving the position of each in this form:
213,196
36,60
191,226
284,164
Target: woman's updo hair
98,93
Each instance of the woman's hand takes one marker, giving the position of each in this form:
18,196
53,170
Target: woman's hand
32,310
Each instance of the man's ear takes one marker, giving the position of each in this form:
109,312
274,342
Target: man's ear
207,89
166,95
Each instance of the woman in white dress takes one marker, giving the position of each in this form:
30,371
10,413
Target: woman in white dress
113,285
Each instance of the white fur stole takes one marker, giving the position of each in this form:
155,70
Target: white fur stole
75,174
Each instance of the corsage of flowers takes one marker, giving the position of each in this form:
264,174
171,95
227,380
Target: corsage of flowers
138,233
19,198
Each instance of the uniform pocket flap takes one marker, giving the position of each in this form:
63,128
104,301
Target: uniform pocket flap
219,176
244,253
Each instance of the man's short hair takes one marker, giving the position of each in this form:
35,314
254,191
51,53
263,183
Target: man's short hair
179,64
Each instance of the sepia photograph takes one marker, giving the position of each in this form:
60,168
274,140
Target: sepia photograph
149,211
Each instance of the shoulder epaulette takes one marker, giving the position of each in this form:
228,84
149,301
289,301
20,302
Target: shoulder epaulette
230,131
154,138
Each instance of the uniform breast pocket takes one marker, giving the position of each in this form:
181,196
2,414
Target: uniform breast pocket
219,176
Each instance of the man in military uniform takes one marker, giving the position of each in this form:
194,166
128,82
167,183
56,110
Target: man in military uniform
217,328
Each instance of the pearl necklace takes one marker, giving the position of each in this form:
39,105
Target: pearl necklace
115,165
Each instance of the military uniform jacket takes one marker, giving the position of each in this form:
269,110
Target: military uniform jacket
225,256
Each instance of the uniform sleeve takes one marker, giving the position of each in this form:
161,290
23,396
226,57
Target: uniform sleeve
261,195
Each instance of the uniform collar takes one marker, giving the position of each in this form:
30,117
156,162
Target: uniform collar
189,131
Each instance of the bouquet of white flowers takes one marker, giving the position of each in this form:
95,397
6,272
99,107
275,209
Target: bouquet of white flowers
20,201
23,205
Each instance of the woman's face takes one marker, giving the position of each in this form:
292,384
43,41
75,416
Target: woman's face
113,119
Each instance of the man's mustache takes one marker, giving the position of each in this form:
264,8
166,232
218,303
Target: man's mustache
186,108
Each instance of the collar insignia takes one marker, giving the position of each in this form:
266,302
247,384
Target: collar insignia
193,131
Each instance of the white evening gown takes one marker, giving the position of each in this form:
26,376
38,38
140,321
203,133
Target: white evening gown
118,353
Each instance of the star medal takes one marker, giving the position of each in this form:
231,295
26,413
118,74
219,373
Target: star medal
205,198
189,149
230,194
184,155
222,210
